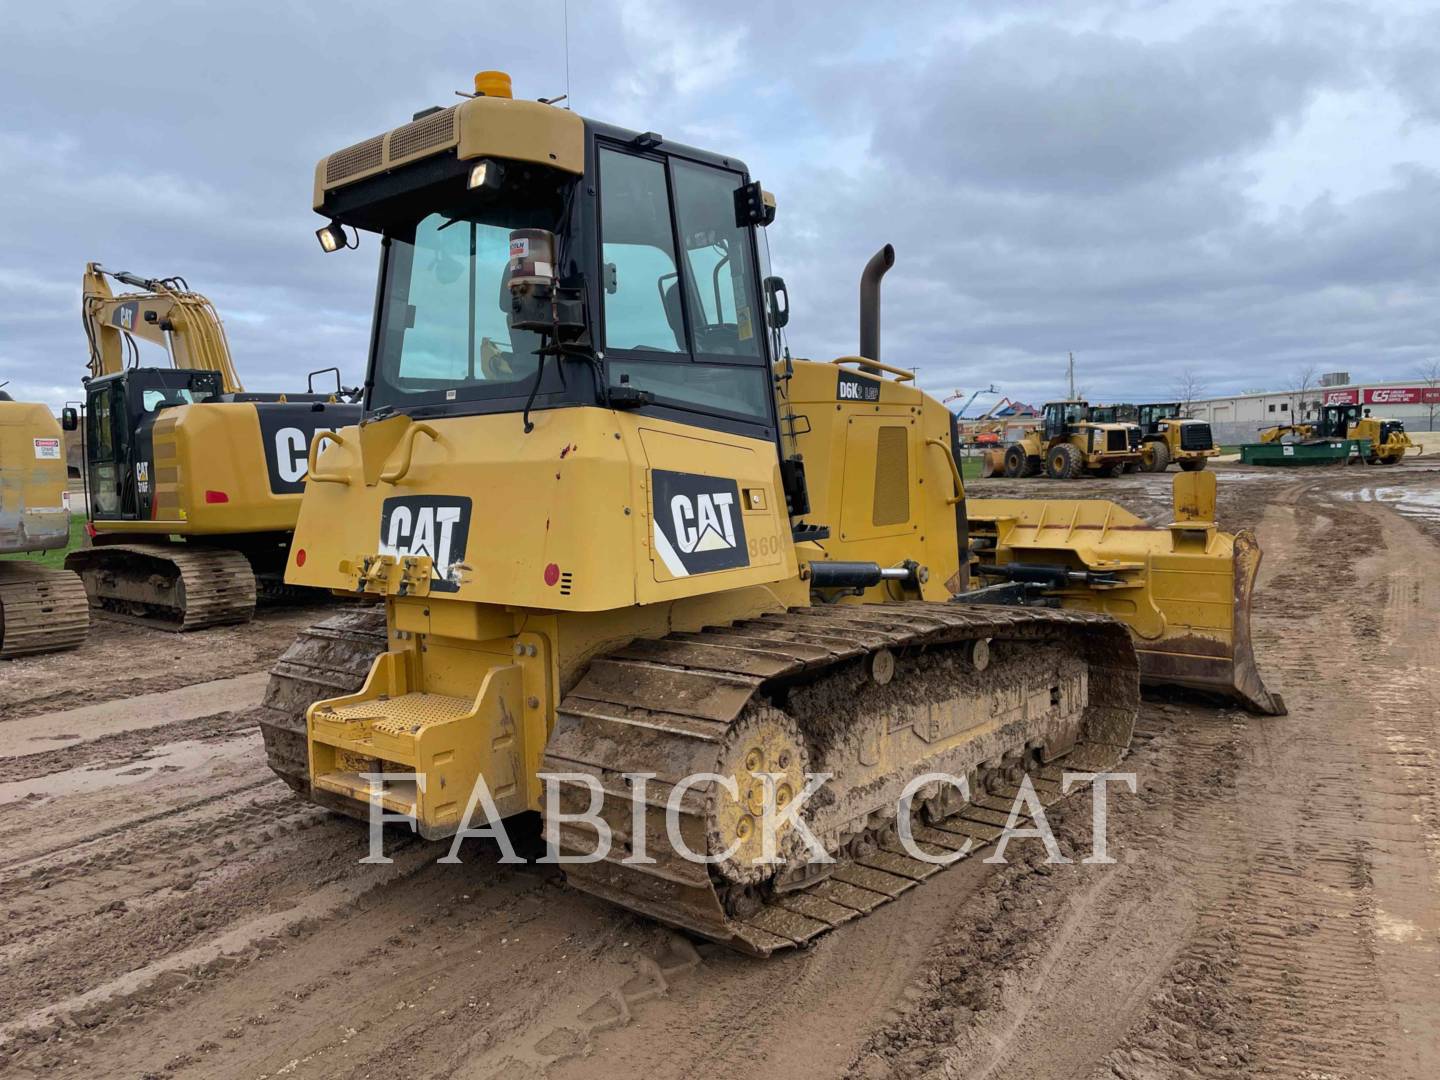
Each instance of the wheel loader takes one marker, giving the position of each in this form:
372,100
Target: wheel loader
1168,436
620,539
1066,443
42,609
192,482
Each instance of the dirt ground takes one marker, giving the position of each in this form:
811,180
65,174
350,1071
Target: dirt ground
1274,911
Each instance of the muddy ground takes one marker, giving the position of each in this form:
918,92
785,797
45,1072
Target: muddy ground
1274,911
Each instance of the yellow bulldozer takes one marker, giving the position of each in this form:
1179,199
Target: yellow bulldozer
42,609
1067,442
620,539
192,483
1387,437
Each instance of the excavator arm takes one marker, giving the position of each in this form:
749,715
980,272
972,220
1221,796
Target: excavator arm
165,312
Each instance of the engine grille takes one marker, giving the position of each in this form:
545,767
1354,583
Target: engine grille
355,159
1196,437
1117,441
430,131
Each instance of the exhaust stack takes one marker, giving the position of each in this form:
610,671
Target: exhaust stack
875,269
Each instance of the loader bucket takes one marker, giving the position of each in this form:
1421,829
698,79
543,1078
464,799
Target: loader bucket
1183,589
992,462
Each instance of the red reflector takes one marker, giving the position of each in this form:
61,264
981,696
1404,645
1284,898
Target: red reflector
300,557
552,574
90,529
216,497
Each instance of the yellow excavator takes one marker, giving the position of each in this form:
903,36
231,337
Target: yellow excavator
619,533
42,609
193,484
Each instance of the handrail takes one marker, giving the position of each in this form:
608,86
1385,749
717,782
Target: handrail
901,375
395,475
954,470
315,444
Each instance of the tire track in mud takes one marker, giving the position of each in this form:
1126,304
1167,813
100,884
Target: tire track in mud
1296,958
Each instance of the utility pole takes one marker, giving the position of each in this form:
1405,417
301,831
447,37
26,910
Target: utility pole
1072,376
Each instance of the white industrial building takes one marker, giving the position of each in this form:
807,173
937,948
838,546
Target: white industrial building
1239,418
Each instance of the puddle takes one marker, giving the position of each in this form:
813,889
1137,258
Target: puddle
1416,504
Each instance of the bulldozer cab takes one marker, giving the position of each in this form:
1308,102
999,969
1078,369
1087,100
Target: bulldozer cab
518,286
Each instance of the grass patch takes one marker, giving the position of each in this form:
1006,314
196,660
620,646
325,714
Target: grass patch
56,558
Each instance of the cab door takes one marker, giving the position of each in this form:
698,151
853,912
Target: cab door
105,451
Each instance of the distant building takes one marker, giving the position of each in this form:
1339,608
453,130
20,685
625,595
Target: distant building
1240,418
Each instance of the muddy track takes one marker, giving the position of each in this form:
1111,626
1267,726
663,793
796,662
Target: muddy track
1274,909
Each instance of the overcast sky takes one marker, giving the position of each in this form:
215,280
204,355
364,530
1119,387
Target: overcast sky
1243,190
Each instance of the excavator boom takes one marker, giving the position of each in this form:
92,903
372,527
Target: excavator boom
165,312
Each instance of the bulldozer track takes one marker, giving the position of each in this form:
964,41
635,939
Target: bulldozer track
328,659
167,586
667,707
41,610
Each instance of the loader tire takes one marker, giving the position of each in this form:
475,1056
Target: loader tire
1131,467
1193,464
1157,457
1062,462
1017,462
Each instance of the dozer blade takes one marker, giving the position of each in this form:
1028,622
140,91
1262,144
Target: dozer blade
1222,664
1184,589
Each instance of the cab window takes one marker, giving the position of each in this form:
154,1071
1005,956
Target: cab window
641,285
717,256
680,306
150,400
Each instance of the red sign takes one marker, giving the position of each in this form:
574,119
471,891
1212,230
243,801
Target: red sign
1385,395
1403,395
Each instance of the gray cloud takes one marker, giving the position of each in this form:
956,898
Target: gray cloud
1095,181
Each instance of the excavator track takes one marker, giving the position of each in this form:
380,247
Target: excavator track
41,610
875,695
167,586
329,659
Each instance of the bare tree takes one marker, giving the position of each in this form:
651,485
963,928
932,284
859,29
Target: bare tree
1188,387
1430,376
1302,383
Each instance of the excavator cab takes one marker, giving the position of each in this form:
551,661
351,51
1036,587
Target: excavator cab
121,412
